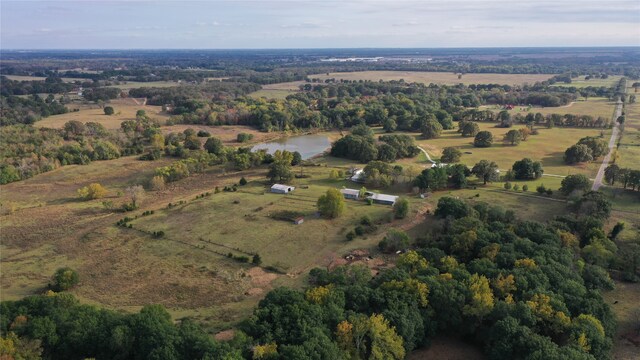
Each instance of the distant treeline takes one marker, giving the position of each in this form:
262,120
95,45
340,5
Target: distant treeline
397,104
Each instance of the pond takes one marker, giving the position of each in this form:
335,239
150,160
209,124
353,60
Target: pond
307,145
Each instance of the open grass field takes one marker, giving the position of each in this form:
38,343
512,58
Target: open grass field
624,302
40,78
629,148
125,109
593,106
548,147
580,82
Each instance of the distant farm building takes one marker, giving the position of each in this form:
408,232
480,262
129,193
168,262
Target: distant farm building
383,199
350,193
298,220
281,189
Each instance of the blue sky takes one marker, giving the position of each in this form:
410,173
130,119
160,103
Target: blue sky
316,24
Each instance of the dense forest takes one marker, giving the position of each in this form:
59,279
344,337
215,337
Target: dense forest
519,289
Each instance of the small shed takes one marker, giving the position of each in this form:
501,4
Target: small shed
383,199
350,193
299,220
281,189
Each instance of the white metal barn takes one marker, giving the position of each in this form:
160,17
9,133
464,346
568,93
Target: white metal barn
281,189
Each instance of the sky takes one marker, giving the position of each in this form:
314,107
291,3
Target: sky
262,24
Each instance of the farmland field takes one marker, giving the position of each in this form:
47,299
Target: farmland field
435,77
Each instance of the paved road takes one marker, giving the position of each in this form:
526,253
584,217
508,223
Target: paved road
426,154
612,142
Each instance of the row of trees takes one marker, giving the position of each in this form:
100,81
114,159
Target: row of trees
626,176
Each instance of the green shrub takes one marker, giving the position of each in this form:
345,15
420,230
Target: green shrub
64,279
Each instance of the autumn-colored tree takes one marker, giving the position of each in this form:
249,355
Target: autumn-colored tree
344,338
418,289
92,191
386,344
318,295
157,141
412,262
568,239
448,264
504,285
481,301
526,263
490,251
265,351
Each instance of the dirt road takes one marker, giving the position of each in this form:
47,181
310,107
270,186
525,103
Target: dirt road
612,142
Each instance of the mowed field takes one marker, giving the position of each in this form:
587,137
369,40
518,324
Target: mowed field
548,147
580,82
446,78
593,106
125,109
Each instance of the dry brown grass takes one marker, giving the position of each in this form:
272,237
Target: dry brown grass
228,134
125,109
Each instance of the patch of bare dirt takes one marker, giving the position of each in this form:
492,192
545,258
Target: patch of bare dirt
260,278
226,335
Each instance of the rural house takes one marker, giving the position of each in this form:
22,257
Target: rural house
350,193
299,220
383,199
358,176
281,189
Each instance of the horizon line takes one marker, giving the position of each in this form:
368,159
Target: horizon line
337,48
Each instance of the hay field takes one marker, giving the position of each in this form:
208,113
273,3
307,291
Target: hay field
446,78
125,109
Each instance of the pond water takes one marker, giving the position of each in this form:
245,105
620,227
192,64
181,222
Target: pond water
307,145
